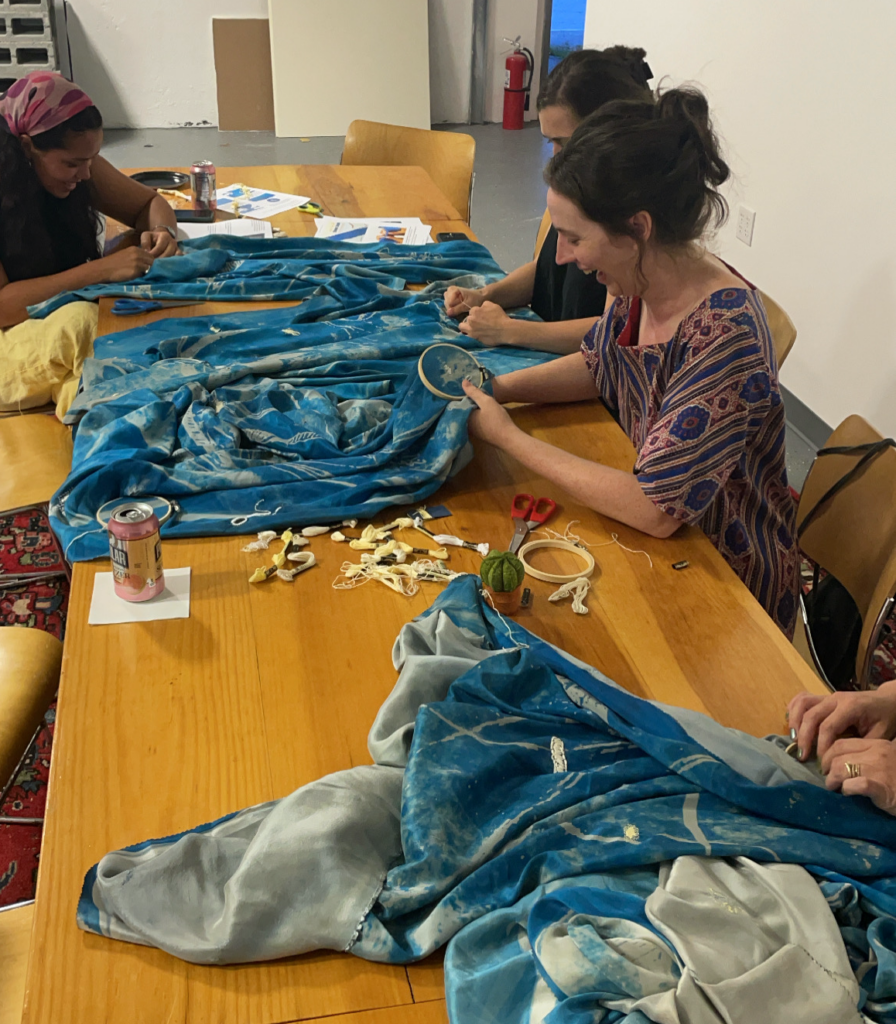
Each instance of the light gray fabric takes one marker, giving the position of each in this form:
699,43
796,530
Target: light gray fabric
234,892
758,943
319,855
746,943
423,680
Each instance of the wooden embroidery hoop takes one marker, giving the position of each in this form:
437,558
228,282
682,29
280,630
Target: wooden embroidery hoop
447,350
561,545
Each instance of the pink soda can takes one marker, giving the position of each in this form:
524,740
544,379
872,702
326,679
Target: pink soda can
203,182
135,545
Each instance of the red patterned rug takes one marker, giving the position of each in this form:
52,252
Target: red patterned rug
28,548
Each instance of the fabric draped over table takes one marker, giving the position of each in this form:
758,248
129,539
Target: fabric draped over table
586,855
291,416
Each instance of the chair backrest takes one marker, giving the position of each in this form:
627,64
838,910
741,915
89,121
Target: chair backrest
543,228
783,329
36,456
853,536
29,674
446,156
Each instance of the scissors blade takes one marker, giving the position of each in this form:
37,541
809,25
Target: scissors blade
521,531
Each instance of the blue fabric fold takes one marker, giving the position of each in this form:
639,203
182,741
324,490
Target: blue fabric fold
265,415
345,279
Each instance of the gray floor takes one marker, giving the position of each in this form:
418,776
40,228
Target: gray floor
508,194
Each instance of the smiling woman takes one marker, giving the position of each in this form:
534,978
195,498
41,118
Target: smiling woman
53,186
683,356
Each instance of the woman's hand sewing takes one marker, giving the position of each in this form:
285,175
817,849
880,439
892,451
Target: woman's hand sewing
459,301
124,265
875,760
489,324
490,421
820,721
158,244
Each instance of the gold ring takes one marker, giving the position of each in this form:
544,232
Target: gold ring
853,770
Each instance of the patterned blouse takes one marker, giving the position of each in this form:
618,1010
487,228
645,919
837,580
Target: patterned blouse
706,416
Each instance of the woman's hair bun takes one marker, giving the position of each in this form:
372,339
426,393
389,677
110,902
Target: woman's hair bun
635,59
688,106
662,157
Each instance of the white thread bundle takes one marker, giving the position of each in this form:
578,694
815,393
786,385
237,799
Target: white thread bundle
577,590
400,578
263,542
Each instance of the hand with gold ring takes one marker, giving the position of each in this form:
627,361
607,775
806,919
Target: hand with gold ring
863,767
819,721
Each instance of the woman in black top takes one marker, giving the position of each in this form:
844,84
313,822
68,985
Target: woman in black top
567,299
53,185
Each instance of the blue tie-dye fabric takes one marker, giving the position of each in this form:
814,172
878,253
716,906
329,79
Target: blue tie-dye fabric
265,412
340,279
499,841
486,825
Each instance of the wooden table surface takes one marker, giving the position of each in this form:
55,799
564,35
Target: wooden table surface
163,725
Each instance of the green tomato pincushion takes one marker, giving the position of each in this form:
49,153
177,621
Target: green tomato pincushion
502,572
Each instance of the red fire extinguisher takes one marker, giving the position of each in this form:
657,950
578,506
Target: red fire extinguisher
517,82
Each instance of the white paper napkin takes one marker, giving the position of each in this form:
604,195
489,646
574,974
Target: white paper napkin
107,607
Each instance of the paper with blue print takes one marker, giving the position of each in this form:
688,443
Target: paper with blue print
271,415
522,808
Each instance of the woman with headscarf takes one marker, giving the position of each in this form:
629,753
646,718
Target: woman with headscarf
566,299
53,186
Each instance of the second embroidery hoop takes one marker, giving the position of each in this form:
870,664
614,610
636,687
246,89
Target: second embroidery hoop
561,545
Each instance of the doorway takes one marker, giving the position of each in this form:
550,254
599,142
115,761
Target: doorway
567,29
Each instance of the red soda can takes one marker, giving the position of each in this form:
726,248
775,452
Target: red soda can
136,549
204,185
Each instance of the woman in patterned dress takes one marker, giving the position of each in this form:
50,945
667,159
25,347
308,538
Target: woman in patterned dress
683,356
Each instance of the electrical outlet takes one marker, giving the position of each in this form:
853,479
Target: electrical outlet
746,218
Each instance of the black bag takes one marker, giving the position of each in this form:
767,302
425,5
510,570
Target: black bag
833,618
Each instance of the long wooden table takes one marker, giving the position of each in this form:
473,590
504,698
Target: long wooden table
165,725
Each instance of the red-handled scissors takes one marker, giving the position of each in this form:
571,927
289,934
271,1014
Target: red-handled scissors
528,513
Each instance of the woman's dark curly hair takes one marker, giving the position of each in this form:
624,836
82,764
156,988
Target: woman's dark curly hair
28,247
662,157
587,79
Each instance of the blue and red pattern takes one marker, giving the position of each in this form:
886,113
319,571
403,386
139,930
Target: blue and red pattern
705,413
28,548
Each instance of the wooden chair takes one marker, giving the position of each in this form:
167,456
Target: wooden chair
15,941
853,536
543,228
36,456
30,660
783,329
447,157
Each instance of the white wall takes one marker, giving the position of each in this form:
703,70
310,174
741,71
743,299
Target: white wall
511,18
150,63
804,95
450,60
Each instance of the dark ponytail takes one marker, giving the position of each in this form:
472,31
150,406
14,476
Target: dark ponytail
28,213
587,79
660,157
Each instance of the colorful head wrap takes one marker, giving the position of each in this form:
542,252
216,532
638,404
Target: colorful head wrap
41,101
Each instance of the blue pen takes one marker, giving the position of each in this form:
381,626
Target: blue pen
344,235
